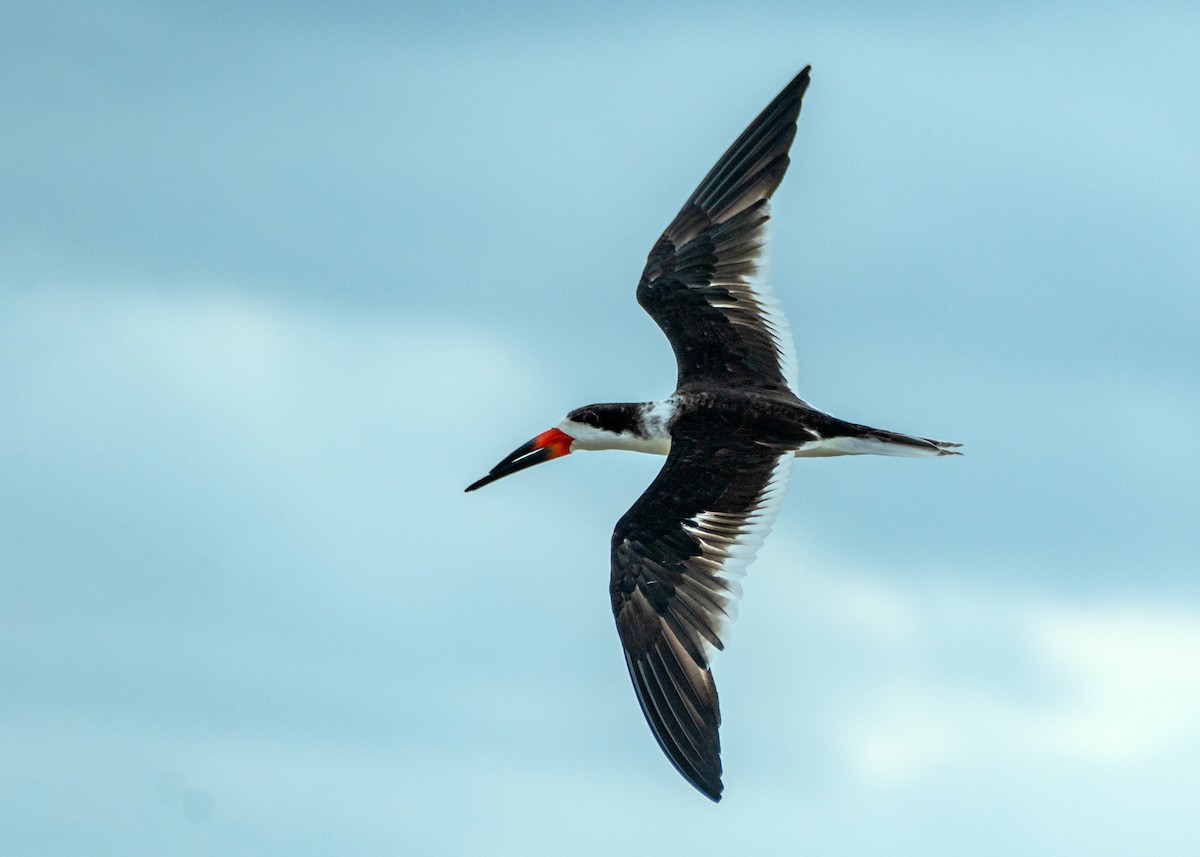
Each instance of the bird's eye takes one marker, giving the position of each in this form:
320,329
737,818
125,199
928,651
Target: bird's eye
591,418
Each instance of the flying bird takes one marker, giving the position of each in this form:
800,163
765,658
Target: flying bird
729,432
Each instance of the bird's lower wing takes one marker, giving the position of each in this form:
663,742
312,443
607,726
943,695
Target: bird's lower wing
677,555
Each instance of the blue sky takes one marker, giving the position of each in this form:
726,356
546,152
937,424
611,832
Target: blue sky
275,285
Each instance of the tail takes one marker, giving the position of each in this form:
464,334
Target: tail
864,440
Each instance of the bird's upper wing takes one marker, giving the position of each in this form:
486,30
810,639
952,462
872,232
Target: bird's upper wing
676,557
700,282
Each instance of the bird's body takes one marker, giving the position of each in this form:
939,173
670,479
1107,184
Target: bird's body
730,432
773,419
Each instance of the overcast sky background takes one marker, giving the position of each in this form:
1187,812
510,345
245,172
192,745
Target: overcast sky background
277,283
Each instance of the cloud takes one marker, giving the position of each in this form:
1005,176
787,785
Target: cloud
981,676
270,572
278,284
1131,678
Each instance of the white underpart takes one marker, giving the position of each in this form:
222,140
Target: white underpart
658,416
731,541
864,446
774,319
767,307
590,437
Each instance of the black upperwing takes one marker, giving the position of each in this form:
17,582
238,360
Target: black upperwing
699,281
676,557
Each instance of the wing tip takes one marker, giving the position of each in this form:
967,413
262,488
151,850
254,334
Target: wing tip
712,790
695,751
802,79
707,782
796,87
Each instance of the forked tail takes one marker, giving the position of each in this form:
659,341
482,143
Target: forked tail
864,440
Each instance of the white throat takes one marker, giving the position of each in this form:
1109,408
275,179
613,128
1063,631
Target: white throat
656,439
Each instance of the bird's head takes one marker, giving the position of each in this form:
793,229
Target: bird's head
612,426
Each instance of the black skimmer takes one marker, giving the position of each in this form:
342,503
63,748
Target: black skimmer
729,431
